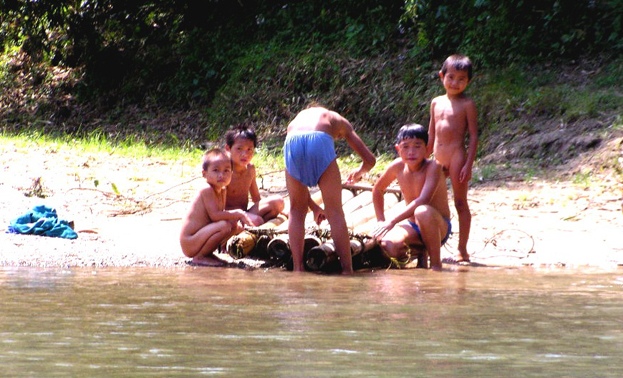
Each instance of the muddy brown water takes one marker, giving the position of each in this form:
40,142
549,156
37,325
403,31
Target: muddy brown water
269,323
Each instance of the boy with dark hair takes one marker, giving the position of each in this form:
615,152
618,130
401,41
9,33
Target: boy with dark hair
425,220
208,224
453,116
241,142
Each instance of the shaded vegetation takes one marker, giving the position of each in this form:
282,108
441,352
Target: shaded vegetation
178,73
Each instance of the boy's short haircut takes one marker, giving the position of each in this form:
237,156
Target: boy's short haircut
459,62
213,155
244,131
412,131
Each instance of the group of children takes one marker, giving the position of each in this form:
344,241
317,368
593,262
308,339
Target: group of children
222,210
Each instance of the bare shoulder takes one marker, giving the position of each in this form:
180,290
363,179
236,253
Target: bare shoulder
340,125
394,169
207,193
250,171
468,101
396,165
437,99
433,166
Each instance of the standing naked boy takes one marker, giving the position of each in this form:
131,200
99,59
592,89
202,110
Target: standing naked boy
310,157
426,217
241,142
452,117
208,224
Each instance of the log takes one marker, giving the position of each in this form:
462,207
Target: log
317,198
279,252
367,213
241,245
356,188
357,202
324,255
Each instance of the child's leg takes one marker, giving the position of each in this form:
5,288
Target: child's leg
331,187
299,195
459,191
204,242
432,230
268,208
397,241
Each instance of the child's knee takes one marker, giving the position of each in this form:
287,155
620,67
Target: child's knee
279,204
461,204
423,214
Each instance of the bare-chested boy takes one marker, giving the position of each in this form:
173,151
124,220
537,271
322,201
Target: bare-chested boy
310,158
452,117
425,220
241,142
208,224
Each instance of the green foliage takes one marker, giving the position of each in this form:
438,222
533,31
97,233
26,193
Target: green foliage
515,31
262,61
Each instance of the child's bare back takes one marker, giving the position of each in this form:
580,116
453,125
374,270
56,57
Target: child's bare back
320,119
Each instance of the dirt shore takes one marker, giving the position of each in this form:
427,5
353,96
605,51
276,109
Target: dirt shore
132,216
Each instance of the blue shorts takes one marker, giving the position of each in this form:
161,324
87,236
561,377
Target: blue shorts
308,154
419,233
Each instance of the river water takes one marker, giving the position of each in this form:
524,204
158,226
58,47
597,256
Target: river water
475,322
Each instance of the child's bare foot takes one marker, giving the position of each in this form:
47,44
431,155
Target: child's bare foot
207,261
456,260
463,256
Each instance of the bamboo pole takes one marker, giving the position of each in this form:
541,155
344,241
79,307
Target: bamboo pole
324,255
241,245
365,214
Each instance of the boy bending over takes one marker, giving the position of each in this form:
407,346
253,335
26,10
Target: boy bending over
207,223
310,157
241,142
425,220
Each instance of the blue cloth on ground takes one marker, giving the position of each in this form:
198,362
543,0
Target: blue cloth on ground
42,220
308,154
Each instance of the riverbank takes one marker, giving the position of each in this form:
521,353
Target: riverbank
132,217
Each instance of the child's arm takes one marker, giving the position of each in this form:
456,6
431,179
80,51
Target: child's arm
472,129
431,130
378,190
254,191
433,175
368,160
211,205
319,215
378,198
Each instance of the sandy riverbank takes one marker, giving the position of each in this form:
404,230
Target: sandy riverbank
514,224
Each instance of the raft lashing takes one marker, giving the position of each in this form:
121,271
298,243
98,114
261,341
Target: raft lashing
269,242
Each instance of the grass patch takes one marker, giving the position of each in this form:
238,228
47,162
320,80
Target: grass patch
98,143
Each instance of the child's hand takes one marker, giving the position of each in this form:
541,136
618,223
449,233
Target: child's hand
382,228
238,228
465,174
354,177
244,218
319,215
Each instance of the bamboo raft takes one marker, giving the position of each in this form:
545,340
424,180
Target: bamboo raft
269,241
